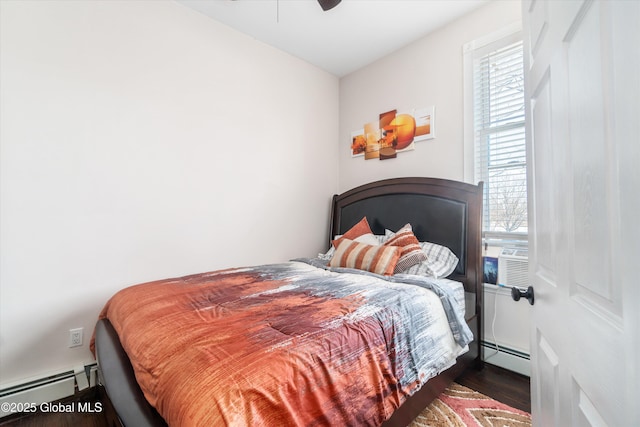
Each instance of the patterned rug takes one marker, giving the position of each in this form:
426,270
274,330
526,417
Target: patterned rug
459,406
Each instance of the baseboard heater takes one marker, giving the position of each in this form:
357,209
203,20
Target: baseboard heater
46,389
507,358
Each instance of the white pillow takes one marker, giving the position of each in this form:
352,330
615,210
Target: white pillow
368,239
440,262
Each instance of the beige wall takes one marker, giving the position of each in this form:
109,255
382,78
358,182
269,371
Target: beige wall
142,140
426,72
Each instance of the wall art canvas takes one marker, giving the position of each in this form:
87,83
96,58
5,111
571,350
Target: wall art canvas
358,143
372,136
425,123
393,133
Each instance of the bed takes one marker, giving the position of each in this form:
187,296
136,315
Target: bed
388,383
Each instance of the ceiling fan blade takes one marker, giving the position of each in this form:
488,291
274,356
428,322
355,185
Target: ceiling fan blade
328,4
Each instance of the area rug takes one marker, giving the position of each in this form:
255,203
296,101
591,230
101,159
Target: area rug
459,406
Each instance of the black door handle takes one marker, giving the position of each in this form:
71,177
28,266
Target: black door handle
516,293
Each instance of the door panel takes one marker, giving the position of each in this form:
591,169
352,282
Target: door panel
545,219
592,151
547,381
586,414
538,12
582,67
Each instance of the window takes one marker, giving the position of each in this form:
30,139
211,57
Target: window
495,133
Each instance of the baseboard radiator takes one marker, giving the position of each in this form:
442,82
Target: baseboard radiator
22,397
507,358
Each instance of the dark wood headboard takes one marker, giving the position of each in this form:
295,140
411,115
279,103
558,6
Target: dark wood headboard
440,211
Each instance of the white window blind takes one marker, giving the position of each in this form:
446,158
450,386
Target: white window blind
499,138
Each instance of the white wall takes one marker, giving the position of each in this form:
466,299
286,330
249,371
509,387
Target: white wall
142,140
426,72
509,329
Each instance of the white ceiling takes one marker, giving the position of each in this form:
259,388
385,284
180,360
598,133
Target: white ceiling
353,34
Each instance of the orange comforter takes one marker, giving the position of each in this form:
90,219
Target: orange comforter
278,345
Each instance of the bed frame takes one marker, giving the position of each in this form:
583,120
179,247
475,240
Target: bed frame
441,211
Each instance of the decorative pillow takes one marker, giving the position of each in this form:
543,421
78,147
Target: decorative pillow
357,230
411,251
440,262
369,239
376,259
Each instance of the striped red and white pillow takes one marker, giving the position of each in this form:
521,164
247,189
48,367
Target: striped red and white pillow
376,259
412,253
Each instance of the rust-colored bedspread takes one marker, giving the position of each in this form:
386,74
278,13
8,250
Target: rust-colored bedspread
279,345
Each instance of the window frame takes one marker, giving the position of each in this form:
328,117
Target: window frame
472,50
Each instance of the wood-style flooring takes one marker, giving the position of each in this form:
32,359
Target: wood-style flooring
500,384
505,386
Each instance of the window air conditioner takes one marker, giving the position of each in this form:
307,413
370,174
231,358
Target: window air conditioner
513,267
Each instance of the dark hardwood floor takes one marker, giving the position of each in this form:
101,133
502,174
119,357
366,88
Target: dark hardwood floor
505,386
500,384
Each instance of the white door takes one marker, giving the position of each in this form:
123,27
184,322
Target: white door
582,78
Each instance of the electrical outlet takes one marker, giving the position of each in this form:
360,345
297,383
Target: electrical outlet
75,337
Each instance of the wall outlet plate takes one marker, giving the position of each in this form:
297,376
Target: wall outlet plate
75,337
